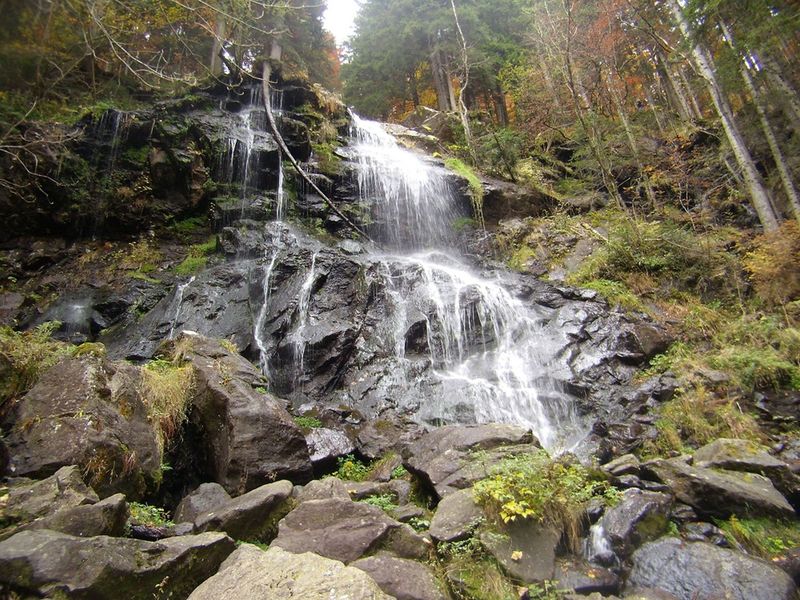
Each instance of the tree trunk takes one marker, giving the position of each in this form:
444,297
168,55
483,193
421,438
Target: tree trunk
439,81
215,62
462,101
674,93
769,133
790,97
755,184
499,98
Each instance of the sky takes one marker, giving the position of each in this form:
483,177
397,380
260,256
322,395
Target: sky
339,18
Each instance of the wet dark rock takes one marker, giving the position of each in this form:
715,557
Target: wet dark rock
47,563
586,579
456,517
250,516
86,412
720,493
335,528
639,517
401,578
705,532
525,550
699,571
204,499
326,445
248,436
279,575
789,561
380,437
627,464
408,513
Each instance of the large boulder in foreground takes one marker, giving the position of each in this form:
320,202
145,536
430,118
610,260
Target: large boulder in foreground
720,493
86,412
700,571
250,439
279,575
456,517
345,530
98,568
401,578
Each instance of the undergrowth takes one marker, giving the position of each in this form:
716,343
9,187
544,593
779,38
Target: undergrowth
150,516
763,537
535,486
27,354
166,392
475,186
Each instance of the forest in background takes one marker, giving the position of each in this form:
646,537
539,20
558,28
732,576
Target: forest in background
661,142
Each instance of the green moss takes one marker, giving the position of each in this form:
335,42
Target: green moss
191,265
521,257
190,226
328,162
616,293
306,422
136,155
475,185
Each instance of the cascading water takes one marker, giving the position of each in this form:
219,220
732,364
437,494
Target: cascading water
414,205
302,317
181,290
485,346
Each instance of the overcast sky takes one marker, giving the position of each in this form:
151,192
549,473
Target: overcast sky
339,18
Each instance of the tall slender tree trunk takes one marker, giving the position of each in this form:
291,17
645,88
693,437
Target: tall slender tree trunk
698,112
462,101
777,155
755,184
499,98
215,60
791,99
440,81
674,93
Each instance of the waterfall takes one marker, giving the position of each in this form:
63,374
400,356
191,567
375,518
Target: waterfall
261,319
413,204
302,317
178,303
485,346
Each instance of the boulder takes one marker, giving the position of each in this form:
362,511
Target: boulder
107,517
401,578
456,517
525,550
206,498
720,493
638,518
326,445
29,500
747,456
324,489
378,437
250,516
86,412
344,530
443,457
627,464
585,579
250,438
279,575
700,571
50,563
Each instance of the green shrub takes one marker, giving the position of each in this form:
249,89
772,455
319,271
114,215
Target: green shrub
151,516
762,537
386,502
534,486
616,293
351,469
306,422
191,265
